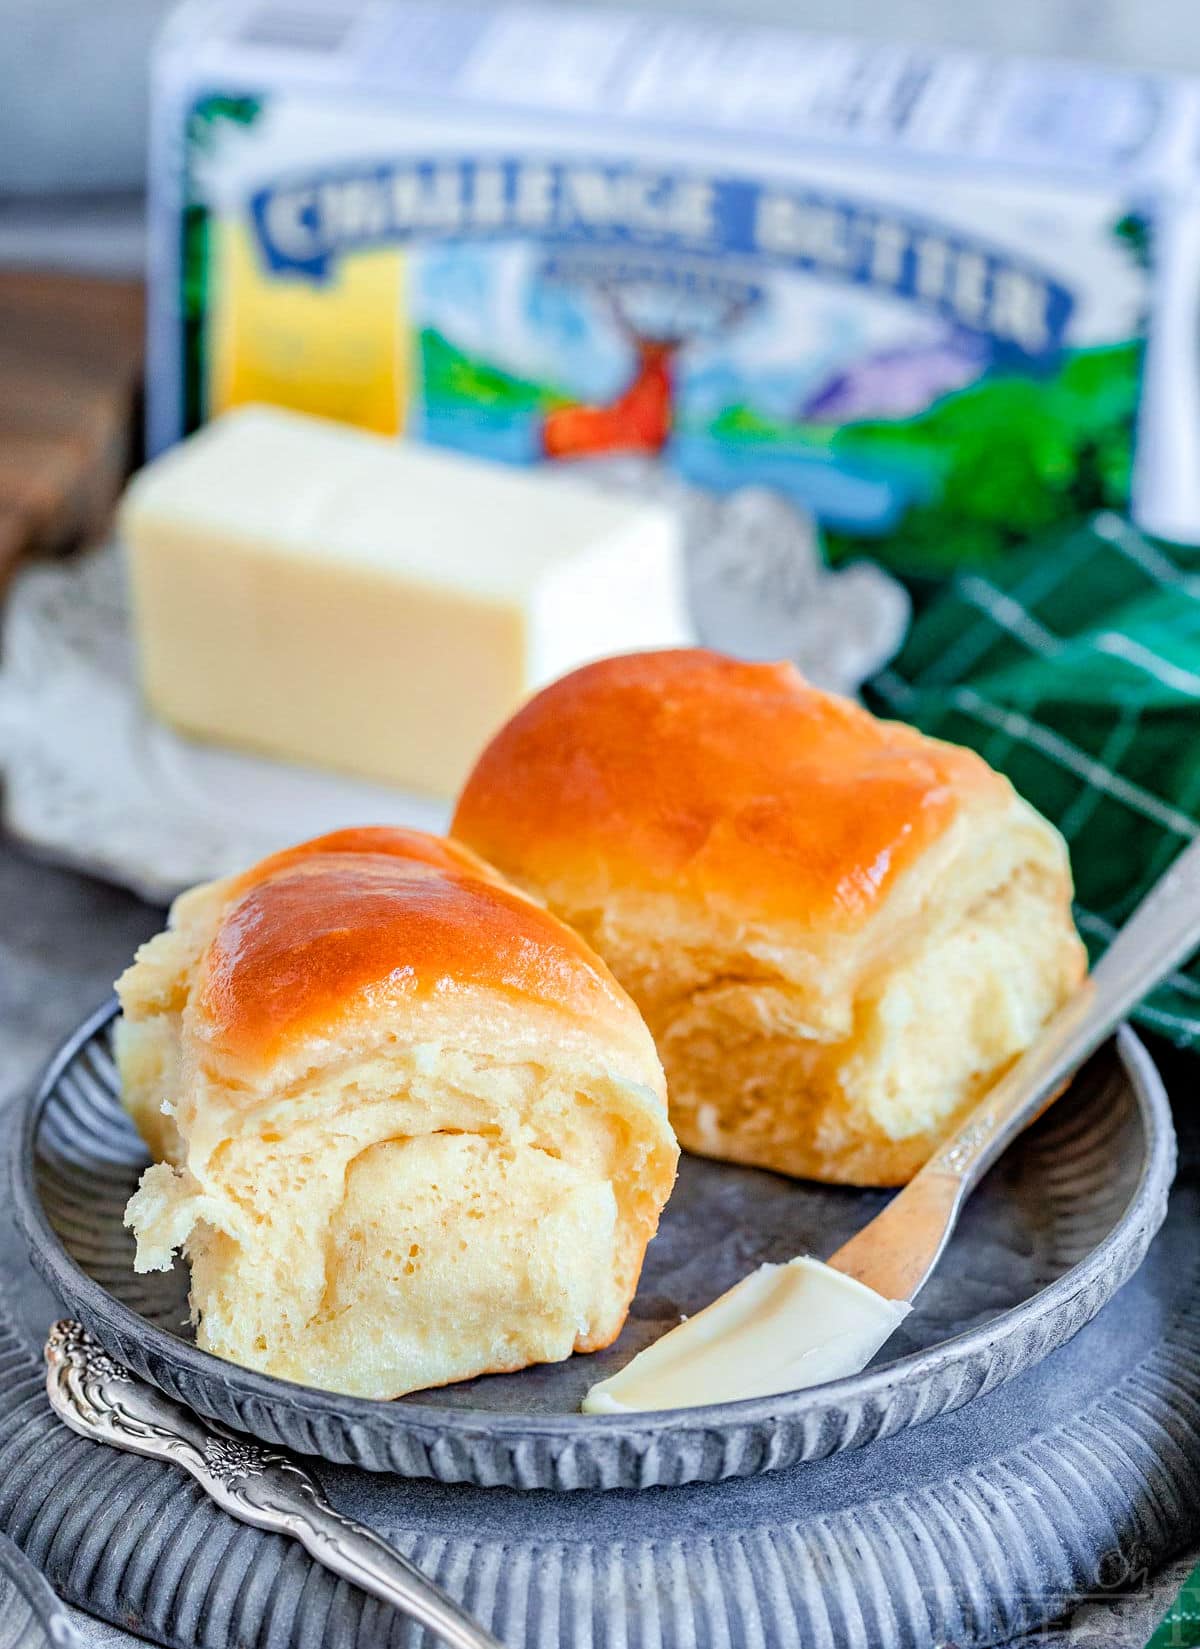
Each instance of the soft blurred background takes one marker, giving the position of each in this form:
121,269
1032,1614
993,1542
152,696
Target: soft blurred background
69,188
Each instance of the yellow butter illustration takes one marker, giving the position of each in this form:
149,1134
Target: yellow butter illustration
337,349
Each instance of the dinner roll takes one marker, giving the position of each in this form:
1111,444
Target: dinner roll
839,931
410,1129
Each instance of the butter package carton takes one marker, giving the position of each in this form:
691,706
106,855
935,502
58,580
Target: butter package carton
913,291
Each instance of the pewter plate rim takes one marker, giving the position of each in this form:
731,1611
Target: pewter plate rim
111,1319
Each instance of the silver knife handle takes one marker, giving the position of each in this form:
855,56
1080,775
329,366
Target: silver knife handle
1162,932
269,1488
358,1554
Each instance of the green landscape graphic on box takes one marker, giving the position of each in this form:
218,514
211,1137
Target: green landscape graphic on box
984,467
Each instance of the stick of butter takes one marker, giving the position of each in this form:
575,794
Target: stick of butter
781,1328
314,592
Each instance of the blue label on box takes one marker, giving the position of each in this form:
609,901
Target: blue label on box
305,224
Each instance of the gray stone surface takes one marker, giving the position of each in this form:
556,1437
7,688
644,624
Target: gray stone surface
63,939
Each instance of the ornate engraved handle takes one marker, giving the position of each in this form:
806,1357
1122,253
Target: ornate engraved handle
98,1398
895,1253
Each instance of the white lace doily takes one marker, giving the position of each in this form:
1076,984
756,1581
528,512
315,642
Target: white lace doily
92,779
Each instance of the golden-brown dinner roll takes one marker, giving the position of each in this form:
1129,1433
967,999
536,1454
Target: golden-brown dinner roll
839,930
411,1129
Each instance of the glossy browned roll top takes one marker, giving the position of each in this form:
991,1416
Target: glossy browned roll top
359,919
697,774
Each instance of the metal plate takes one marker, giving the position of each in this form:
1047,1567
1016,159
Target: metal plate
1079,1476
1058,1226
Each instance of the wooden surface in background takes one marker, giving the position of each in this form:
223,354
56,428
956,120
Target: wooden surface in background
71,357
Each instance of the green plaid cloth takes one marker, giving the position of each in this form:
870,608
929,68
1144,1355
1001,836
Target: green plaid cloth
1077,672
1181,1627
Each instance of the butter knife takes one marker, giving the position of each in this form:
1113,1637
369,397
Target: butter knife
100,1399
897,1251
770,1333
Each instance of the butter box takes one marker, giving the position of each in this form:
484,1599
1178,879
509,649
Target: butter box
912,290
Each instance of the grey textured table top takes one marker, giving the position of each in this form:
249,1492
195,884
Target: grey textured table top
63,938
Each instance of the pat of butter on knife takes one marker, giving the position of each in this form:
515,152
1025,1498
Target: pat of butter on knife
780,1329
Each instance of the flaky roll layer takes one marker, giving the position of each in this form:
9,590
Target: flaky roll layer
838,930
410,1129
